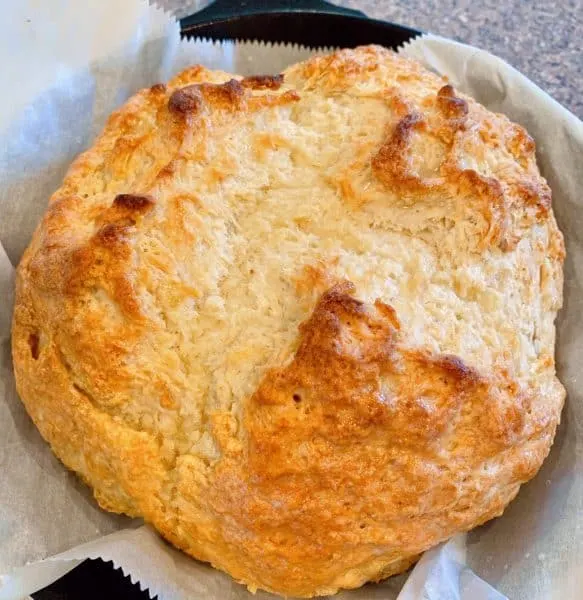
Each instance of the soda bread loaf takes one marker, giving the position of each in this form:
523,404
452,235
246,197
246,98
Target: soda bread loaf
302,324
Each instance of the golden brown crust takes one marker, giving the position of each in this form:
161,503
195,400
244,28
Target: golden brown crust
302,324
263,82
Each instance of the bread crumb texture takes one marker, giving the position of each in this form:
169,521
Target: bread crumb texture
302,324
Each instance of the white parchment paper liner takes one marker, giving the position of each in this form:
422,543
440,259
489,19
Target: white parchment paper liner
87,68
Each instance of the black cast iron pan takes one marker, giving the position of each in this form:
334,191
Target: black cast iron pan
313,23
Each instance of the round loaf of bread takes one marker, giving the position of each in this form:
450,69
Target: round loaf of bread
302,324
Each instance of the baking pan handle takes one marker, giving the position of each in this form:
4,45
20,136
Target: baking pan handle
223,9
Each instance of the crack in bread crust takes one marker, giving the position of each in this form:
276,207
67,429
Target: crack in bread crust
304,323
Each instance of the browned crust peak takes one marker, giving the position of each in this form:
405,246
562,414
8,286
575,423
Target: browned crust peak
190,99
450,104
134,202
263,82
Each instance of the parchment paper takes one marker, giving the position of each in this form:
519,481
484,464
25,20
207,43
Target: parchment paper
78,70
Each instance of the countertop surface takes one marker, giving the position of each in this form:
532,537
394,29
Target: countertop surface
541,38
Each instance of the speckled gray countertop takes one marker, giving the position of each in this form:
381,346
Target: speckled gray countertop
541,38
